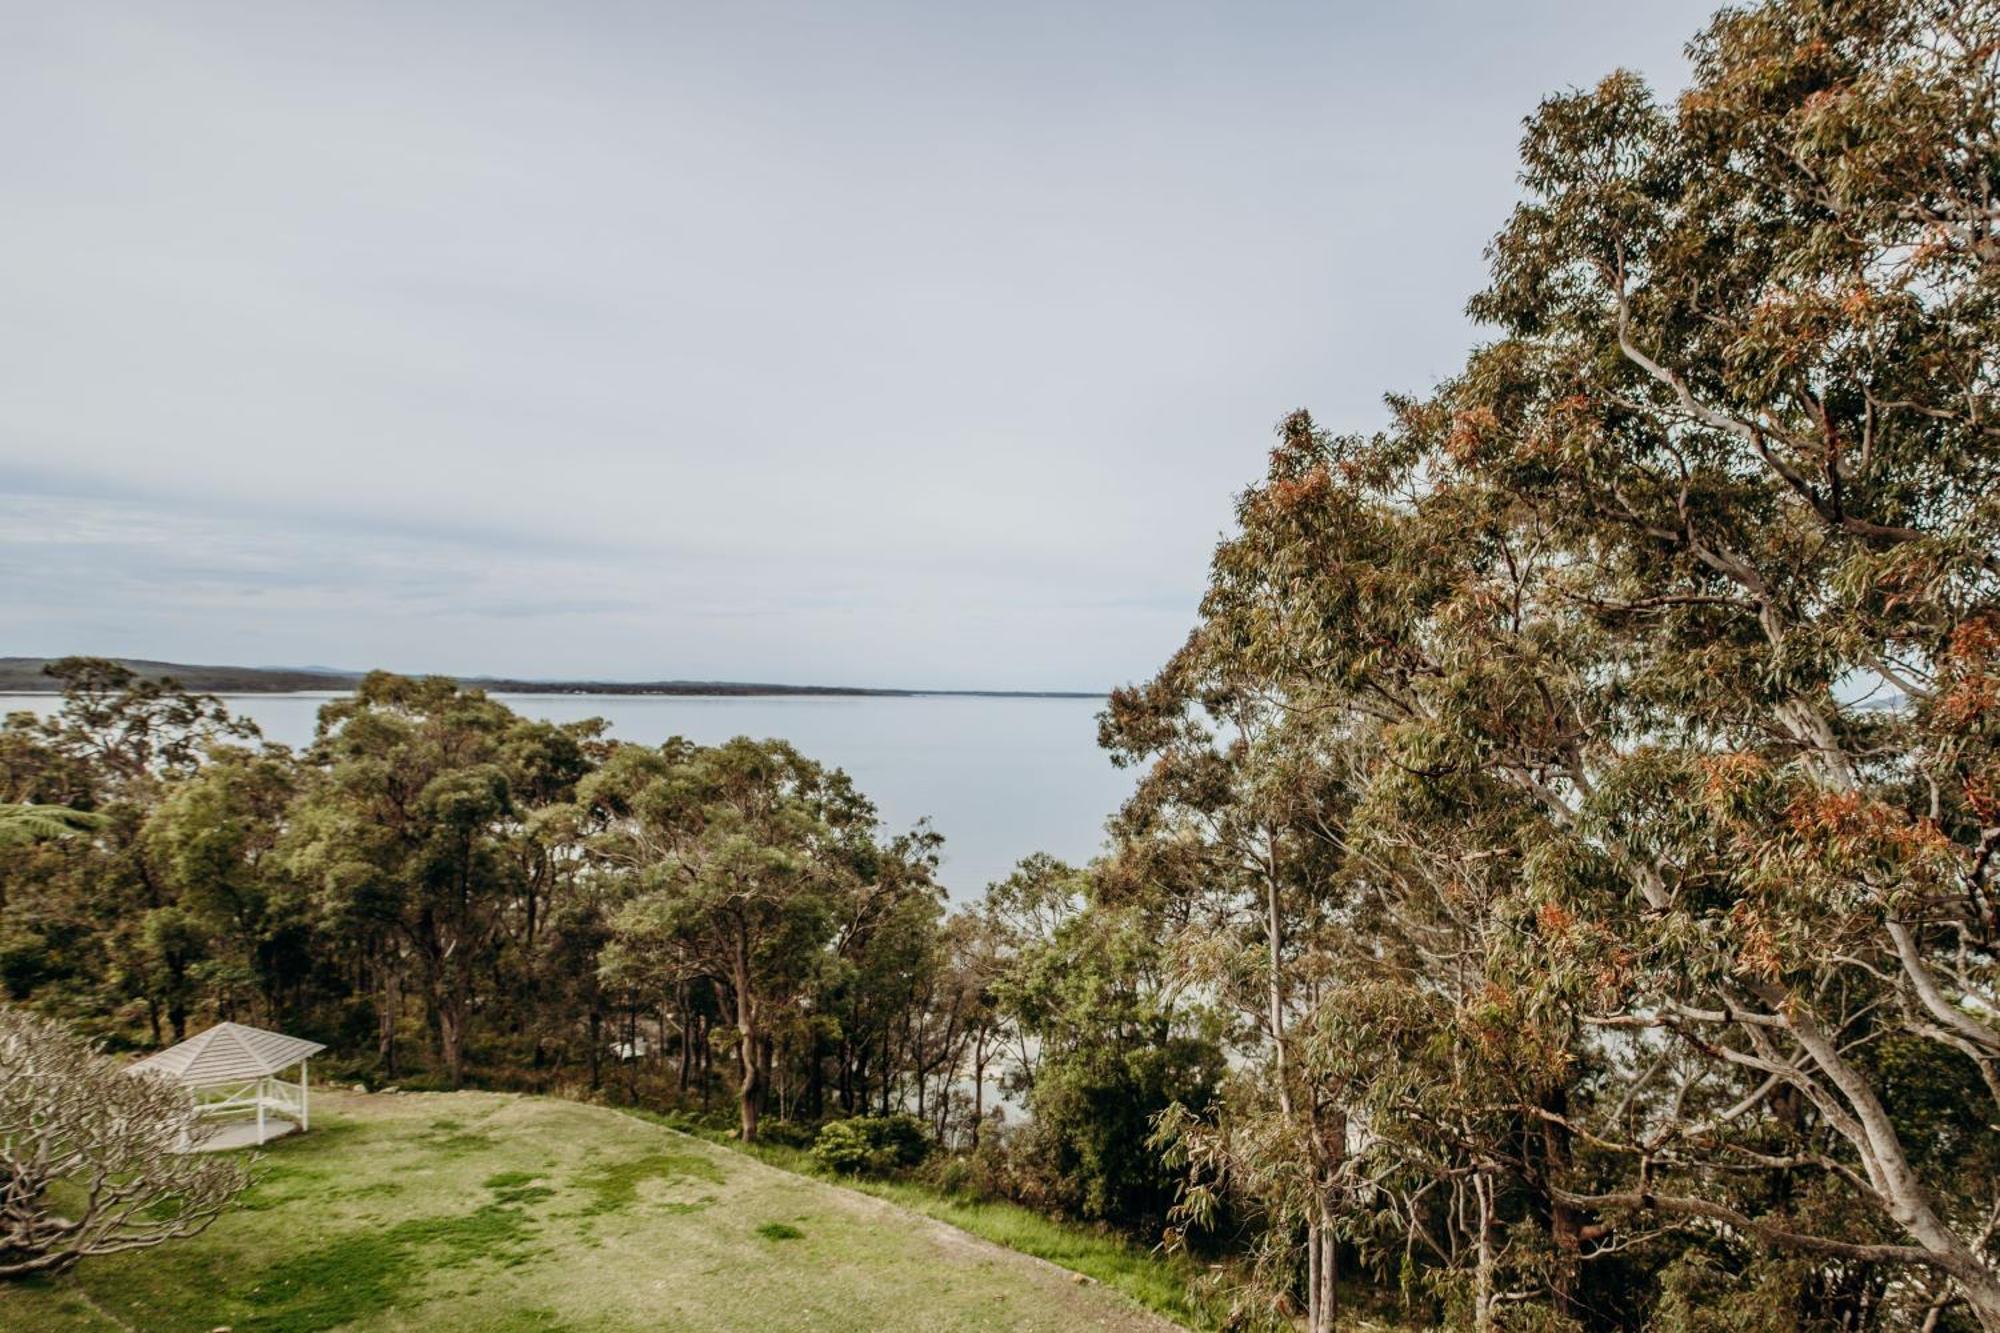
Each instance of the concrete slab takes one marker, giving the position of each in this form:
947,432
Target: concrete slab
233,1134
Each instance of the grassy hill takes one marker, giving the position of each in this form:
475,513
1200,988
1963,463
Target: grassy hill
485,1211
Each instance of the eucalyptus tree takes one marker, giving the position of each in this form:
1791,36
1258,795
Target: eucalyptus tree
1461,1079
1110,1036
213,841
1653,877
1688,584
1023,913
71,907
411,839
973,965
1237,823
1749,383
884,961
748,860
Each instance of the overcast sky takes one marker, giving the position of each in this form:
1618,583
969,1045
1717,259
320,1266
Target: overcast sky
896,344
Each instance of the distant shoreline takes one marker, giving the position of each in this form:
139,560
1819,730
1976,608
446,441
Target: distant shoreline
23,675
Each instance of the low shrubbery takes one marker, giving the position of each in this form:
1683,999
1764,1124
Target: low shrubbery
871,1144
799,1134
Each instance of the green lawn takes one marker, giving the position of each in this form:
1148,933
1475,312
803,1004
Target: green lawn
490,1211
1157,1281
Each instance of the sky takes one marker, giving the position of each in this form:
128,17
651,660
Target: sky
919,345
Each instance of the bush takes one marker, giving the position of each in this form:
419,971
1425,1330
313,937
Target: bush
903,1137
843,1147
77,1127
786,1133
1086,1148
986,1173
872,1145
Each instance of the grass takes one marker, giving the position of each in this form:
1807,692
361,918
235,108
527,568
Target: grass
355,1276
1158,1281
483,1211
614,1186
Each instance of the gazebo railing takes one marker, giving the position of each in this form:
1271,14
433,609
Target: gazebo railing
268,1094
256,1099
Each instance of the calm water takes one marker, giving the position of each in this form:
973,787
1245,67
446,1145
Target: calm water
999,778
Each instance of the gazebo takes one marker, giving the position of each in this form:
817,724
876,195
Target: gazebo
235,1073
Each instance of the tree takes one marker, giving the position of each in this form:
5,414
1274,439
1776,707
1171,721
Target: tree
1746,389
21,824
70,908
746,855
972,969
213,842
80,1134
1238,819
1689,583
884,989
1095,997
173,946
412,839
130,729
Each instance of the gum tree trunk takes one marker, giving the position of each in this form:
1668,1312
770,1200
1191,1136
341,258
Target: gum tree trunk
747,1041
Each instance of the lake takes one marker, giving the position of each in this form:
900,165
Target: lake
999,778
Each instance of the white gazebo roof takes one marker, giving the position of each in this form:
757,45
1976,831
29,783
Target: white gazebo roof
229,1053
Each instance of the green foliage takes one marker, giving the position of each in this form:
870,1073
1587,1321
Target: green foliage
1090,982
21,824
843,1146
1589,782
787,1133
423,839
761,874
876,1145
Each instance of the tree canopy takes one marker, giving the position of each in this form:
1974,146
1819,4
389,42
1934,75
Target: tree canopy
1651,659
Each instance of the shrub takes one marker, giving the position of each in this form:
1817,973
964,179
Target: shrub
843,1147
873,1145
786,1133
987,1172
903,1137
80,1133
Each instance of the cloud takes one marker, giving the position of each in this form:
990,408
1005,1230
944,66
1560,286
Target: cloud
890,343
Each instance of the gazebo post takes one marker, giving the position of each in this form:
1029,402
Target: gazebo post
262,1086
305,1098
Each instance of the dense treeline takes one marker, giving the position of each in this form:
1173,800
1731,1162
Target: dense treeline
447,893
1558,886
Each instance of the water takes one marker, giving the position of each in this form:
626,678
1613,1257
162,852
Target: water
999,778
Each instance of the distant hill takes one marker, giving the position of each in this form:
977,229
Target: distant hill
23,675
